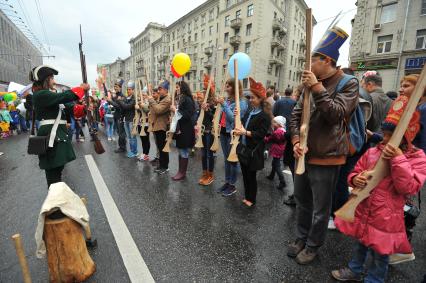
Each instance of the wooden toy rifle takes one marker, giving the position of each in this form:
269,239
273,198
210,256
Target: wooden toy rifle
173,117
306,114
233,157
136,93
216,117
200,126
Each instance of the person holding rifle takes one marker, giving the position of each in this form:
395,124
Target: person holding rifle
47,105
127,107
227,124
327,144
256,125
185,136
143,106
160,120
119,116
379,220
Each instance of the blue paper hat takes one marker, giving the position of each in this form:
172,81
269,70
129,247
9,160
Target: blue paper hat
165,84
330,43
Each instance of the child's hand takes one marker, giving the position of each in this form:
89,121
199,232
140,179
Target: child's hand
390,151
360,181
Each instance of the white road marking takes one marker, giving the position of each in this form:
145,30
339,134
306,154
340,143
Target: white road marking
133,261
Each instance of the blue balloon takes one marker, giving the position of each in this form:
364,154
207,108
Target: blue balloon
244,65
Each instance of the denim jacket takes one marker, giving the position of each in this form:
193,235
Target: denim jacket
228,108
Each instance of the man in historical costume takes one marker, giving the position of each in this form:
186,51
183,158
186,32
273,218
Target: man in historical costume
327,144
160,119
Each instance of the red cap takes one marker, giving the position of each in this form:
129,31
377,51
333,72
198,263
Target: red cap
257,88
79,91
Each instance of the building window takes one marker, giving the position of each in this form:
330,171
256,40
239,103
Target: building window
292,46
203,19
248,30
289,75
228,3
238,14
236,49
388,14
247,49
227,21
226,37
421,39
384,44
250,10
237,31
211,14
291,60
203,34
423,12
195,36
189,27
210,30
225,54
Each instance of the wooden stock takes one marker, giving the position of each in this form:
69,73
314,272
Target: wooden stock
306,114
200,126
136,93
216,118
233,157
381,169
169,134
22,259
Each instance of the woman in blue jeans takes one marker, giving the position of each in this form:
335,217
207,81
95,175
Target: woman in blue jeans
227,123
184,134
109,120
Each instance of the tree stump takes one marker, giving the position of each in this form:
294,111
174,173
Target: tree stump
67,255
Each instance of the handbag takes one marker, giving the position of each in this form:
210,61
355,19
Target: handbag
245,154
37,145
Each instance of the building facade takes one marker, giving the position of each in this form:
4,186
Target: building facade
17,54
389,36
271,32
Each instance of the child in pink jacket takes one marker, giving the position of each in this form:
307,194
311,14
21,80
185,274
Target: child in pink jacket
379,220
278,141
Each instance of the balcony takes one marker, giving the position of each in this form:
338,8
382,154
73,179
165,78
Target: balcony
281,46
276,24
208,51
235,40
193,68
276,60
302,43
236,23
283,30
208,64
275,42
301,57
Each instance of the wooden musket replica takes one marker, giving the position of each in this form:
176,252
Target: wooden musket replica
170,132
200,126
136,93
143,115
306,114
99,149
381,169
216,119
235,140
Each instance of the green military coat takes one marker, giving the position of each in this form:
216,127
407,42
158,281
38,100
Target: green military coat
46,106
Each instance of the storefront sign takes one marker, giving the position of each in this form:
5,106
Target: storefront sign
415,63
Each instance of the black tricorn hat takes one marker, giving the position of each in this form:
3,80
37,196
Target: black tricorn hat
40,73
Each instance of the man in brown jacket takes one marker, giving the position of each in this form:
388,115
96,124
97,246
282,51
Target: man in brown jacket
327,144
160,120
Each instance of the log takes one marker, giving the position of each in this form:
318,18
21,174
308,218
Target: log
67,255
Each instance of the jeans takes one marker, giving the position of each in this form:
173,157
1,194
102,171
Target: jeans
276,168
377,266
231,168
184,152
109,126
207,157
313,192
22,123
133,142
160,140
146,143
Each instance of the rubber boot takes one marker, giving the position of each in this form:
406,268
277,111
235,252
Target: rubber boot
203,178
183,166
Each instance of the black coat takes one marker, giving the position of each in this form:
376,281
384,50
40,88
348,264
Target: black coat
127,107
259,126
185,135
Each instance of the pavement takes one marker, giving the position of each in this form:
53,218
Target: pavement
183,232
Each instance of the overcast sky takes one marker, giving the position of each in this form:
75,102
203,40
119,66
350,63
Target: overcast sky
108,26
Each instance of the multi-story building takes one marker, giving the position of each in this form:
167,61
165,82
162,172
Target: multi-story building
271,32
17,54
389,36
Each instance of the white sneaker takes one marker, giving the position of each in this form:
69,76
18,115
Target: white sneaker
331,225
400,258
113,139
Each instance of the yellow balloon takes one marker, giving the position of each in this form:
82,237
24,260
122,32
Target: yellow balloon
14,96
181,63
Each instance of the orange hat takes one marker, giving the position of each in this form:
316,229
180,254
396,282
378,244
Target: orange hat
257,88
206,83
79,91
394,115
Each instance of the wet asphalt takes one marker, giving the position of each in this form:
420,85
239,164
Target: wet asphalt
184,232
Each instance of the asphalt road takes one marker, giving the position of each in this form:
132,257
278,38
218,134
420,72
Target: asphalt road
184,232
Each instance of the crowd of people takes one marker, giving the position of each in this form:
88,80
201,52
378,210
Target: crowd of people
383,223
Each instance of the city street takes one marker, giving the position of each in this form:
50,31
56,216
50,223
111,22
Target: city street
184,232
